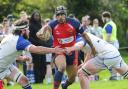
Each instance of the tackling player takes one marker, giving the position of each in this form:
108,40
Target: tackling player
107,57
10,49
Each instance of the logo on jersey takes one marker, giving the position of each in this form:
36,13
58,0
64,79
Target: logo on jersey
66,40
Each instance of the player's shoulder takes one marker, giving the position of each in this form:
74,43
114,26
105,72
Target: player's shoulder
72,20
75,23
53,23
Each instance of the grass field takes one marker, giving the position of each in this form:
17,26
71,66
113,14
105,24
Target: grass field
123,84
101,84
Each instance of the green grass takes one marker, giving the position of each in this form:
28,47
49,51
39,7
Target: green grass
101,84
122,84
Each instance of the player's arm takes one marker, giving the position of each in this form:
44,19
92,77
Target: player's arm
24,44
80,29
43,50
86,37
78,46
87,56
43,30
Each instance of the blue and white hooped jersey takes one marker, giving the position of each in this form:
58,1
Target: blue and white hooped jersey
11,47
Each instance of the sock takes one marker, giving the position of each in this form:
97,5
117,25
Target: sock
67,83
57,79
28,86
64,78
30,76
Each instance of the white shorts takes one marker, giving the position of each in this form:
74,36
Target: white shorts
7,72
48,57
109,60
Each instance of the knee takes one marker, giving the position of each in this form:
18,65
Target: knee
62,68
23,80
80,73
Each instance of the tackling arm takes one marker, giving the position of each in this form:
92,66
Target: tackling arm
43,50
86,37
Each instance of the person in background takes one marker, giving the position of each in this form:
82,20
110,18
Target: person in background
109,33
86,23
11,22
23,17
49,59
96,29
5,26
39,60
28,68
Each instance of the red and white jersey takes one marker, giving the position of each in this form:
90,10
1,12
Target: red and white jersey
64,34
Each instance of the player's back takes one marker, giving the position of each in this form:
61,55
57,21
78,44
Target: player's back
100,45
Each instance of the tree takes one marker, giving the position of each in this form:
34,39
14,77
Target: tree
7,7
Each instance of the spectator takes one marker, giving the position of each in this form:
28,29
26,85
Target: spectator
10,19
39,61
96,29
109,34
86,23
48,59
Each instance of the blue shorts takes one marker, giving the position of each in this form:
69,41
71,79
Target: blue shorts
72,59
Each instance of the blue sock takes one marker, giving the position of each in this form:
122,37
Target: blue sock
27,87
30,76
57,79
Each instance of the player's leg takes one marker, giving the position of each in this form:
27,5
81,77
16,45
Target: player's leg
71,69
60,62
18,77
48,68
114,74
89,68
71,73
122,68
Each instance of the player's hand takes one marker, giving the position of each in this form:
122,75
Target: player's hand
68,50
59,50
80,65
26,58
